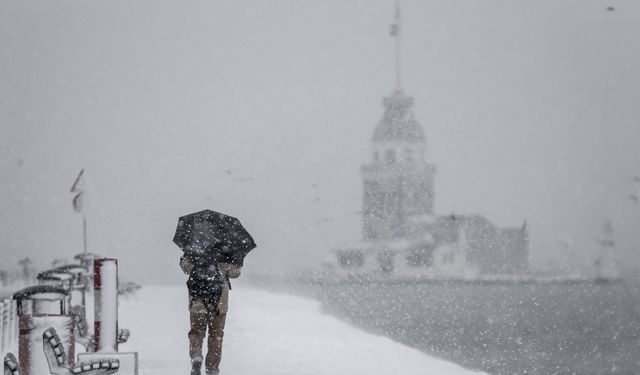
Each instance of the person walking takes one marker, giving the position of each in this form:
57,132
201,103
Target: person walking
208,306
214,246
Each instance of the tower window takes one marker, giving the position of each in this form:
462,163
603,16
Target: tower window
408,154
351,259
448,258
390,156
386,261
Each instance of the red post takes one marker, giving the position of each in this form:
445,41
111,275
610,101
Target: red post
106,304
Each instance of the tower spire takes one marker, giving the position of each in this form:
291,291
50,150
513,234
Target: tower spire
396,34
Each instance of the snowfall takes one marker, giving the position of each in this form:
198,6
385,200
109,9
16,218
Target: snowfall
267,333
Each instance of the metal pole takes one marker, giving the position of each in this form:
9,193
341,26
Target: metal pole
2,344
106,305
398,40
84,232
6,324
15,334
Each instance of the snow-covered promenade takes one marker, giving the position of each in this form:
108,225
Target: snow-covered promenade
267,334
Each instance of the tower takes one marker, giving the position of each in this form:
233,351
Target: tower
398,181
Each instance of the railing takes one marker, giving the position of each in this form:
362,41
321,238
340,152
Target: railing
8,327
64,305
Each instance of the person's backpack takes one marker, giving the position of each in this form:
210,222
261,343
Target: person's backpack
206,284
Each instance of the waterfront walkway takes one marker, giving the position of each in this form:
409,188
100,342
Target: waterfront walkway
267,334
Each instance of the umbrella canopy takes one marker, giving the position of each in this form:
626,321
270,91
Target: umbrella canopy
213,236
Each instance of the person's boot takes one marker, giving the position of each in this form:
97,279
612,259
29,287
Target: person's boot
196,365
212,371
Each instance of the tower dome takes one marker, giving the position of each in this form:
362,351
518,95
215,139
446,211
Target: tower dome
398,123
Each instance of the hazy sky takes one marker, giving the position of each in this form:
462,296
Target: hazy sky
531,111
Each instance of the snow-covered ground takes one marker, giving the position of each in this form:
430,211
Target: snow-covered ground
267,334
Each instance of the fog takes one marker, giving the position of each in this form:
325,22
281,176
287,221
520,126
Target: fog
265,111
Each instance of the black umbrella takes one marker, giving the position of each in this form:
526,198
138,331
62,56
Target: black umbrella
213,236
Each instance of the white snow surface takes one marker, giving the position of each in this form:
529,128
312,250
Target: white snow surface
268,334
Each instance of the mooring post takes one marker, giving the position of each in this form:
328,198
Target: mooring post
106,304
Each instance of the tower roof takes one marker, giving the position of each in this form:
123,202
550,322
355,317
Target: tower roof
398,122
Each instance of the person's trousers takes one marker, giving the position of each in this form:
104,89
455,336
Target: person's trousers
200,321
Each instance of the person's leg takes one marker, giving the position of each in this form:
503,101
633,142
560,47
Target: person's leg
196,337
216,334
